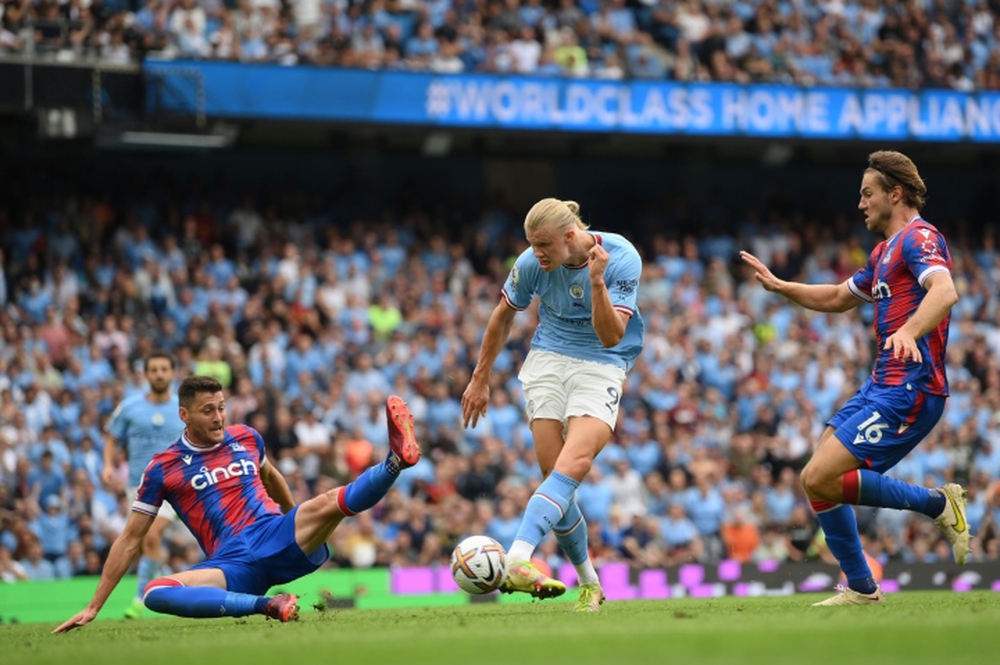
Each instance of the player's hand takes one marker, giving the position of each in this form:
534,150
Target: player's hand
82,618
762,272
903,346
107,476
474,401
598,257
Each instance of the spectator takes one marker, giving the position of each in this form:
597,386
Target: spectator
679,534
54,531
47,480
740,536
526,50
11,570
35,566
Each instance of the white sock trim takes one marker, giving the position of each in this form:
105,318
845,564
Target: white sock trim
520,550
585,572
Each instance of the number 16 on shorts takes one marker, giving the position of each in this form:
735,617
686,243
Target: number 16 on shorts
871,430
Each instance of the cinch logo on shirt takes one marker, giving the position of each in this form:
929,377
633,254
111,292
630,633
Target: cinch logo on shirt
209,477
881,291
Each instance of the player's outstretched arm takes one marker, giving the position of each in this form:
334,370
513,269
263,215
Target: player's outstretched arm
477,394
123,552
818,297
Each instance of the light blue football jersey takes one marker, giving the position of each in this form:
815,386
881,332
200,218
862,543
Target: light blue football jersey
143,429
565,325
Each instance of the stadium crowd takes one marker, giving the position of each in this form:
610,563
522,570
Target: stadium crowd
311,313
898,43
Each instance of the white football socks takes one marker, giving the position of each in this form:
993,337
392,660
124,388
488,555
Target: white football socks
520,550
585,572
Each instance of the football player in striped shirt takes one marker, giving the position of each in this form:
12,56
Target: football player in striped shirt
908,280
239,507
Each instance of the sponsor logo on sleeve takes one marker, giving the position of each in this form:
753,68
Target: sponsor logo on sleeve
626,285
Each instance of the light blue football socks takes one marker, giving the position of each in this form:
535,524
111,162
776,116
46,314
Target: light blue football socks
546,508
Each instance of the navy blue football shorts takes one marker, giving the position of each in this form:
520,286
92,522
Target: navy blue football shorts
263,555
880,425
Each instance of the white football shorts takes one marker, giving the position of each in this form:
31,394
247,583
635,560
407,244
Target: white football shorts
557,387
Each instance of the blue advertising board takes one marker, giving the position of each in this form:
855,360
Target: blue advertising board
574,105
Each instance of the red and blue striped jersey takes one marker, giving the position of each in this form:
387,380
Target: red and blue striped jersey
217,492
893,279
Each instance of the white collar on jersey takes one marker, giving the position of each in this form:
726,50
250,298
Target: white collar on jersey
201,449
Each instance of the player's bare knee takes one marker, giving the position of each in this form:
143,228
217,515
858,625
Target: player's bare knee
811,481
819,485
328,504
151,542
576,468
804,476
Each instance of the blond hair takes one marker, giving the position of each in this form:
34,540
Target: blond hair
894,168
555,214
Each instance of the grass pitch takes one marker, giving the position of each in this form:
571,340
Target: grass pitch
912,628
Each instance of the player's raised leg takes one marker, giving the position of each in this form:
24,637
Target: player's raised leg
316,518
833,495
402,435
953,521
945,505
404,451
882,441
865,433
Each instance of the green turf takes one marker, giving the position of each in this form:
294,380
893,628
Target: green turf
912,628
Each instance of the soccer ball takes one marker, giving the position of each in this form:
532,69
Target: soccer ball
479,565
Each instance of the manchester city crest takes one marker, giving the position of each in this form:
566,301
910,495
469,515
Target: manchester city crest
575,291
